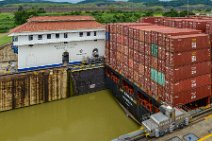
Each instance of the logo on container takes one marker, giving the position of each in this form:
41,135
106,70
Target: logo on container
193,83
193,95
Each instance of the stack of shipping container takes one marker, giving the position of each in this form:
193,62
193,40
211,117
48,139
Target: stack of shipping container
170,63
203,23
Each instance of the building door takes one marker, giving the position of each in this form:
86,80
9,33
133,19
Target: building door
65,59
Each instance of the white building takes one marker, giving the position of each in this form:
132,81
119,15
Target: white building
47,41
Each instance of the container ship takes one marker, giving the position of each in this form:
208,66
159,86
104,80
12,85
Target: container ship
159,60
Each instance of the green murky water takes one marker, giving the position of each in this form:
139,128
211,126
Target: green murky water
93,117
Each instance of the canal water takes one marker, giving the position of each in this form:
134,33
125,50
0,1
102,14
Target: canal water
92,117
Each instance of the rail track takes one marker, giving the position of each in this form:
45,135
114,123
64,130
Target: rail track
200,116
195,118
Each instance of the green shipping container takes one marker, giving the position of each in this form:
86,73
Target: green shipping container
158,77
154,50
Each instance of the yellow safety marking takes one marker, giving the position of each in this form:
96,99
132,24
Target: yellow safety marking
205,137
147,135
208,117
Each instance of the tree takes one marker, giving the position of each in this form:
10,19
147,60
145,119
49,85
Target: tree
20,8
148,13
22,15
171,13
41,10
185,13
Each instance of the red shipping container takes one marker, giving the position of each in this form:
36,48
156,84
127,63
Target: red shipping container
130,74
161,92
125,59
136,66
147,71
147,61
141,58
192,95
126,42
201,24
126,26
188,84
136,56
136,77
154,62
113,46
149,19
112,28
136,45
154,37
141,81
131,33
126,50
131,53
186,58
141,69
135,34
188,71
147,85
113,54
161,39
161,53
147,49
131,62
187,42
141,47
154,89
131,43
125,70
209,28
147,37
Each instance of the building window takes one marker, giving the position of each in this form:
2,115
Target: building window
15,39
94,33
40,37
88,33
81,34
65,35
30,37
49,36
57,35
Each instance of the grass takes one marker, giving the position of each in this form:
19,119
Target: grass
4,39
6,22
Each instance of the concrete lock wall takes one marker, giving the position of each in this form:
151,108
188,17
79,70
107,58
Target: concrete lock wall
25,89
8,59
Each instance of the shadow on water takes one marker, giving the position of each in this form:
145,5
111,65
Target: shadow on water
92,117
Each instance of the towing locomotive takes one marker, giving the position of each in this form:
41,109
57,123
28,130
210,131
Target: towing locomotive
165,121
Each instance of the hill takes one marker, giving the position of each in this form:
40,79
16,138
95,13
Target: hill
91,5
165,3
8,2
173,3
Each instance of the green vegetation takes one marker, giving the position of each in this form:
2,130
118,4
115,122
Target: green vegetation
22,15
6,22
4,39
175,13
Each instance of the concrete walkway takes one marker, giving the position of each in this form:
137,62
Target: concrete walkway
201,130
